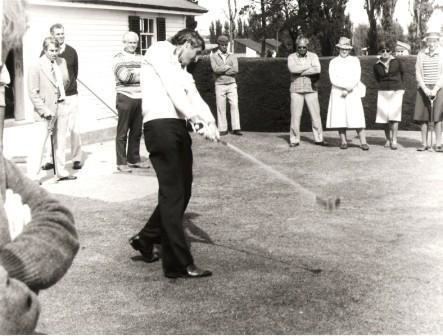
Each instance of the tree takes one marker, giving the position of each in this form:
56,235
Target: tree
421,11
212,35
321,20
373,9
226,28
360,38
391,36
240,28
232,14
218,28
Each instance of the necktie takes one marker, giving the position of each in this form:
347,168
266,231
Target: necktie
54,76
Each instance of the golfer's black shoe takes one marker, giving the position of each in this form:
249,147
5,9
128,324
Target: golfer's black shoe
147,250
47,166
222,133
76,165
191,271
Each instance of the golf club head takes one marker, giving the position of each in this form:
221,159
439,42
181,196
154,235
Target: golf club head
329,204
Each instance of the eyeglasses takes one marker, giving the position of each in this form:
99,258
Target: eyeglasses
385,51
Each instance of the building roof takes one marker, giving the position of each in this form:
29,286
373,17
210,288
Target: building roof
177,5
251,44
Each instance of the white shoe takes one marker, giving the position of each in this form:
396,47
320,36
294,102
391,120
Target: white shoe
124,169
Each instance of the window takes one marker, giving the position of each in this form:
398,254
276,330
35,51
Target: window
146,34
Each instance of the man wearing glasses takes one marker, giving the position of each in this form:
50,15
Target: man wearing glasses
305,68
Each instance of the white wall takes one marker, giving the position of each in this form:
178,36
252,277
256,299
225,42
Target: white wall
96,35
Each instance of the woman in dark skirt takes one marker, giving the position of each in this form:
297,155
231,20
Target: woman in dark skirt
429,72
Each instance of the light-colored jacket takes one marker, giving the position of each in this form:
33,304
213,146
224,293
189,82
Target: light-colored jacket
224,72
42,87
419,69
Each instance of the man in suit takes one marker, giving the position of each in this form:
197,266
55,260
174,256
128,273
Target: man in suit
46,86
71,101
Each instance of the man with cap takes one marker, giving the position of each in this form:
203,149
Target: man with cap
304,67
429,74
225,67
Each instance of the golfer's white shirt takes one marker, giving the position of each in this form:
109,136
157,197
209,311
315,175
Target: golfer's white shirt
168,90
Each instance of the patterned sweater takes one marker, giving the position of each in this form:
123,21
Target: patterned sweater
126,68
38,257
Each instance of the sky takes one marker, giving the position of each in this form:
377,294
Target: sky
219,8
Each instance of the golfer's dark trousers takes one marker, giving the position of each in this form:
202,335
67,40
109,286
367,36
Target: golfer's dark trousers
129,120
169,145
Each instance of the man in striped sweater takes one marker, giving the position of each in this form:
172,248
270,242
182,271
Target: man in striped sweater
126,69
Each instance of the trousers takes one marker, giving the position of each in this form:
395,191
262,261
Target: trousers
129,129
169,146
227,92
297,102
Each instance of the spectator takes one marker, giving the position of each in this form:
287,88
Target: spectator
429,73
129,104
345,108
47,82
38,240
225,68
71,100
305,68
388,72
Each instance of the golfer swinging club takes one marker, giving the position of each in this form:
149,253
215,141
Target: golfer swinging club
169,99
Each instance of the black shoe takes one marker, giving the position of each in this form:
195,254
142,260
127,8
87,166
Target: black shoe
222,133
191,271
67,178
76,165
48,166
147,250
237,132
323,143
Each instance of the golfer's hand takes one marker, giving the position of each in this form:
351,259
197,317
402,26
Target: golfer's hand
211,132
47,115
18,214
344,93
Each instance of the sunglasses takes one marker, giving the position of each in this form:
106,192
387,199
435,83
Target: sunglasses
302,48
385,50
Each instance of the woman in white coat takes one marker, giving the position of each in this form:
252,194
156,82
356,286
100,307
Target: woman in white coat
345,108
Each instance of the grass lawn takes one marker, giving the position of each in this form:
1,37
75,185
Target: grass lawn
281,264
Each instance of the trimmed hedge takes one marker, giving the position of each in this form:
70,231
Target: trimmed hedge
263,91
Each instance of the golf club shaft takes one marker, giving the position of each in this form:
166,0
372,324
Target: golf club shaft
271,170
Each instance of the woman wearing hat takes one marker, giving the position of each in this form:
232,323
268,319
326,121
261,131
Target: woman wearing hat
345,108
429,73
388,72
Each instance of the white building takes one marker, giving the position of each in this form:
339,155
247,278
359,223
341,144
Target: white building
94,28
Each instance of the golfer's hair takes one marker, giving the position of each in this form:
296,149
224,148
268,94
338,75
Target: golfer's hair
50,40
188,35
129,34
14,24
384,45
55,26
301,38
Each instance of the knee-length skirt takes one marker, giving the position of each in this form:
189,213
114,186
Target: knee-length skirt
389,106
423,107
